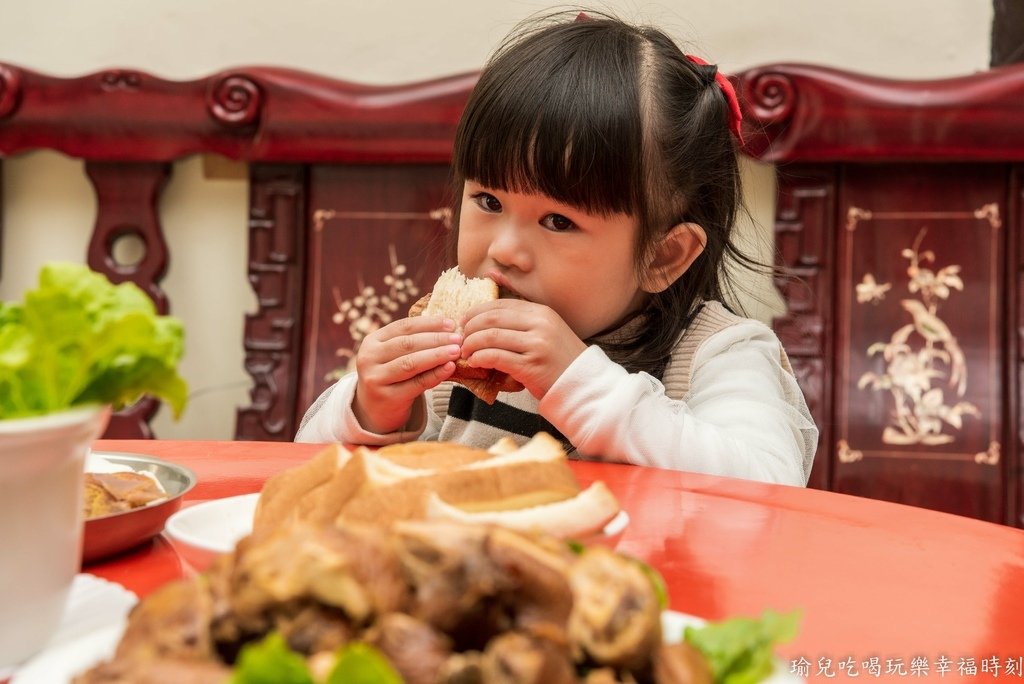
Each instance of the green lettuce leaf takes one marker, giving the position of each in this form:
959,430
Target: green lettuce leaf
362,664
271,661
741,650
78,339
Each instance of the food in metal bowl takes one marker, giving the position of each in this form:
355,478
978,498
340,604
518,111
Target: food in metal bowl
108,493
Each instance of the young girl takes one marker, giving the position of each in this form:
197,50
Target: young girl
596,177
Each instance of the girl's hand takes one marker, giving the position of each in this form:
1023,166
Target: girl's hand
397,363
528,341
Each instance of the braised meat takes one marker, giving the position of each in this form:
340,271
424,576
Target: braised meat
443,602
414,648
616,619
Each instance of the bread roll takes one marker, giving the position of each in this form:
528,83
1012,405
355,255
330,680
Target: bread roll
533,485
576,517
281,494
526,483
453,295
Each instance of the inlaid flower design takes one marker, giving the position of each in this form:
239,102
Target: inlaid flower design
870,291
920,355
371,310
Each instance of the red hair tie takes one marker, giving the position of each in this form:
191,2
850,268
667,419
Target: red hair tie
735,115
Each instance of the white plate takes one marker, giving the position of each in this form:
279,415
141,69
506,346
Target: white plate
207,529
90,628
81,648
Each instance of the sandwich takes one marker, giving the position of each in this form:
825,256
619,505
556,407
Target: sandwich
453,295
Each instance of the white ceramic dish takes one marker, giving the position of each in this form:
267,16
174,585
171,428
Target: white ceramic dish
93,621
205,530
62,661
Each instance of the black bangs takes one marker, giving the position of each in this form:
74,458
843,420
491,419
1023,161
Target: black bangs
559,114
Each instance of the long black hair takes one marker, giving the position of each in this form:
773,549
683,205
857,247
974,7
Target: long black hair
611,118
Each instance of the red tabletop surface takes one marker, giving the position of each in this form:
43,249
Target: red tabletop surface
872,579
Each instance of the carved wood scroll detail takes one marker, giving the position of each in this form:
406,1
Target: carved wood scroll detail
10,90
235,100
127,196
771,96
277,239
315,118
812,113
121,79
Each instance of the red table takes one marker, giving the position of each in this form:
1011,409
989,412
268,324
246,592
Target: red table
872,579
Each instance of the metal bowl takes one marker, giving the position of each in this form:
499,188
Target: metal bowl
117,532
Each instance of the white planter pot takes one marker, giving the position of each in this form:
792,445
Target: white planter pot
41,522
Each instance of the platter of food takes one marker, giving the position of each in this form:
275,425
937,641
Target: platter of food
416,563
127,500
419,601
529,487
62,661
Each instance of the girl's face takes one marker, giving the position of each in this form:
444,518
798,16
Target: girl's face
579,264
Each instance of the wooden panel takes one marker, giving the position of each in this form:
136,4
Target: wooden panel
277,259
804,218
920,376
127,195
377,241
1015,348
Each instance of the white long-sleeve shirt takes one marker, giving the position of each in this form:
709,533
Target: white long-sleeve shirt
729,405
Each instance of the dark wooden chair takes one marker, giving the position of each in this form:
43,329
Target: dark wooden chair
899,207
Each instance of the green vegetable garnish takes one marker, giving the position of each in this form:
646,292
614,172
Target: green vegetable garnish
362,664
271,661
741,650
657,581
78,339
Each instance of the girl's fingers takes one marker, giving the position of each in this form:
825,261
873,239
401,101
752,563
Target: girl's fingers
397,347
405,327
421,382
517,341
499,359
514,314
433,377
409,366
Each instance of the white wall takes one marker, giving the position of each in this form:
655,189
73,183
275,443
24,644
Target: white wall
49,206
